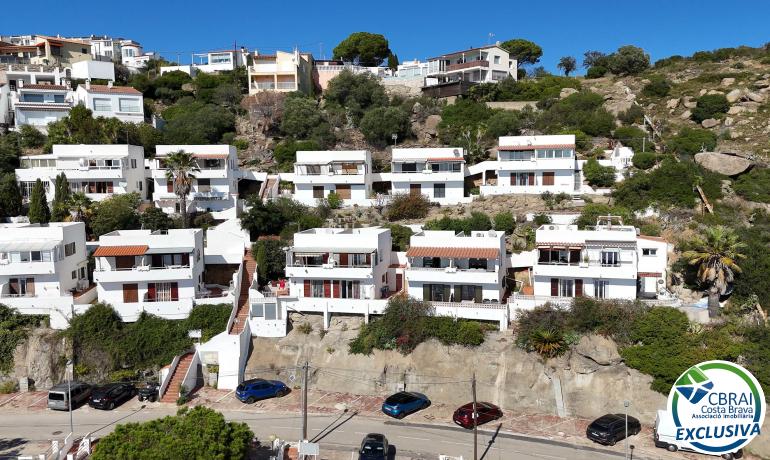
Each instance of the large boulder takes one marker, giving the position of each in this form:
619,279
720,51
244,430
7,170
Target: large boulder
728,165
709,123
729,81
431,124
734,96
565,92
598,349
689,102
755,97
672,103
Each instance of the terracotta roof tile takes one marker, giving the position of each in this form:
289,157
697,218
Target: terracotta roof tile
648,275
115,89
455,253
533,147
115,251
48,87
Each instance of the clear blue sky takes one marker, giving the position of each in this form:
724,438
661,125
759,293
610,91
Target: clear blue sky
415,28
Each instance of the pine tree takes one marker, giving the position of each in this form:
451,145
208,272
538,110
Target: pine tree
10,196
38,205
392,61
60,205
261,259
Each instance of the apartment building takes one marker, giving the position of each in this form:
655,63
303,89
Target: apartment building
608,261
99,171
210,62
281,72
451,74
447,267
132,55
122,102
437,173
43,270
532,165
344,172
12,76
40,104
157,272
43,50
215,188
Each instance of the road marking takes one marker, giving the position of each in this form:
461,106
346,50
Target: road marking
416,439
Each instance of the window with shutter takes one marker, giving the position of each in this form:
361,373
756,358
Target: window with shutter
548,178
307,288
169,186
554,287
174,291
578,288
327,289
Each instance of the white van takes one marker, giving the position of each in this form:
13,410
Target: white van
665,437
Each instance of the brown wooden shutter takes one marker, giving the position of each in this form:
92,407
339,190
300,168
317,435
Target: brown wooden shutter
399,282
415,189
30,286
336,289
14,286
151,292
109,187
578,288
327,289
130,293
554,287
185,259
531,178
325,258
124,262
307,288
548,178
344,259
477,294
174,291
368,259
343,191
512,177
169,186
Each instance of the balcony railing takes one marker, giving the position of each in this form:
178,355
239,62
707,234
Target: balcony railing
330,265
265,85
467,65
141,268
455,269
287,85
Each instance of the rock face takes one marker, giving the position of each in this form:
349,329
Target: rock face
431,124
709,123
672,103
588,381
39,358
565,92
728,165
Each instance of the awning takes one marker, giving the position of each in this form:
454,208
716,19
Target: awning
446,159
210,156
649,275
117,251
311,252
174,250
454,253
28,245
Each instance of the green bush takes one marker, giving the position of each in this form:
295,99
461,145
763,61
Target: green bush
118,212
475,222
690,141
634,115
464,115
333,200
400,236
545,87
13,330
597,175
542,330
199,123
596,71
628,60
644,160
503,123
710,106
583,111
9,386
356,93
305,328
31,137
285,153
582,140
754,186
657,87
592,211
632,137
380,123
241,144
610,318
505,221
407,206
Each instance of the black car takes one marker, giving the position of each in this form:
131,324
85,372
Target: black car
373,447
111,395
611,428
149,392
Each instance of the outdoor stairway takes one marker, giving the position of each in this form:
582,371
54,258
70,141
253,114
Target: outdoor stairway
266,189
177,377
242,314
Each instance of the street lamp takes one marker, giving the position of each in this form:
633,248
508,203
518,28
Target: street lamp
625,405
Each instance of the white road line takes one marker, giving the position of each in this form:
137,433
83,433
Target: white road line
416,439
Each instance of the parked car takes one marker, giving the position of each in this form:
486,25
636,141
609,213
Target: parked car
485,411
58,396
611,428
149,392
373,447
665,437
256,389
401,404
111,395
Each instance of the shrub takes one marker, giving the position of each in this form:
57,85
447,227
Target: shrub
634,114
629,60
598,175
754,186
285,153
505,221
710,106
118,212
199,124
301,115
596,71
690,141
357,93
644,160
380,123
407,206
606,317
333,200
657,87
9,386
541,219
592,211
503,123
31,137
542,330
581,111
476,221
582,140
241,143
463,115
305,328
13,330
632,137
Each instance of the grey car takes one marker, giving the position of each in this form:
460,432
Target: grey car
58,396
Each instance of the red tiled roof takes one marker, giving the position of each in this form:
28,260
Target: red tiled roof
269,238
533,147
115,89
649,275
455,253
115,251
652,238
447,159
48,87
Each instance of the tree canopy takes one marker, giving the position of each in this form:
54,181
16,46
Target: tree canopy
524,51
363,48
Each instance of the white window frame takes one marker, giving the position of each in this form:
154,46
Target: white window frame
102,104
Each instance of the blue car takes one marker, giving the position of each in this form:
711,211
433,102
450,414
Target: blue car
401,404
256,389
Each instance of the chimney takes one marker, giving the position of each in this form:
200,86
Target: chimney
109,84
20,84
88,84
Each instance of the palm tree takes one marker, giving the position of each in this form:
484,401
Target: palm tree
79,206
716,254
180,167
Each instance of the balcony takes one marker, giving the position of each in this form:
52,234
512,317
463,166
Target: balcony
27,268
590,269
209,195
329,271
466,65
143,273
452,275
290,86
263,86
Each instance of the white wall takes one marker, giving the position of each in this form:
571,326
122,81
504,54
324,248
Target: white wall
102,70
87,99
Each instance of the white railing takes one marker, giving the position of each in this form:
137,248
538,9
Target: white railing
455,269
167,380
287,85
469,304
260,85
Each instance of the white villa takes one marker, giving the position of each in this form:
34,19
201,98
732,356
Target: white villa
122,102
158,272
479,65
348,173
216,182
43,270
99,171
448,267
39,104
437,173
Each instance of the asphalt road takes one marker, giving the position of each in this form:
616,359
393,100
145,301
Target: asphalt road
340,434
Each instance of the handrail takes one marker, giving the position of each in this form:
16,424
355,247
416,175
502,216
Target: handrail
167,380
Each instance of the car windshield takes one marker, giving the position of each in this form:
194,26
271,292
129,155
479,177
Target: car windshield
602,422
56,396
399,398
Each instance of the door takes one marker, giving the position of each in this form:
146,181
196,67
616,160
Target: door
318,191
578,288
554,287
130,293
548,178
531,179
415,189
343,191
399,282
124,262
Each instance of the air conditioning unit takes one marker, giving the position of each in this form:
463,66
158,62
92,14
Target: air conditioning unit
661,282
551,227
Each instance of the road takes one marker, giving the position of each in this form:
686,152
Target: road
23,431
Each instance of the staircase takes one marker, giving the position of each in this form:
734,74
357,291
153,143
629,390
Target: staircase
242,314
177,377
267,188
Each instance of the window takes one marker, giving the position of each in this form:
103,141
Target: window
69,249
74,274
566,287
139,185
58,98
82,273
271,311
26,188
257,310
220,58
408,167
166,292
601,289
431,262
133,163
497,60
129,105
102,105
438,292
35,256
610,258
467,292
316,288
318,191
204,185
477,264
649,251
359,260
456,167
350,289
439,190
33,98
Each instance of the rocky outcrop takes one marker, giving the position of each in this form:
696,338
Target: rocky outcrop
41,358
709,123
565,92
728,165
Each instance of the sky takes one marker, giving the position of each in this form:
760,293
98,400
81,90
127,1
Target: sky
415,29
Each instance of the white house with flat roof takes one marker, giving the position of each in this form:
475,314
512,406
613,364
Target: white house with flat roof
122,102
447,267
43,270
159,272
608,261
486,64
348,173
532,165
436,173
99,171
215,188
39,104
211,61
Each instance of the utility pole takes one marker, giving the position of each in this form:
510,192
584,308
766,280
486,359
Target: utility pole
304,401
475,419
625,405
